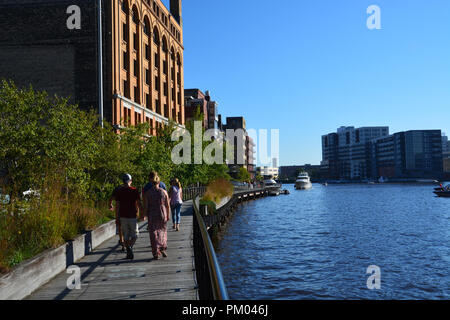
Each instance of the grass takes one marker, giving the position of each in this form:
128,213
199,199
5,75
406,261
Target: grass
27,228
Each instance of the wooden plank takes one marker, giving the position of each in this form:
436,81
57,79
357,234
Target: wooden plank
106,274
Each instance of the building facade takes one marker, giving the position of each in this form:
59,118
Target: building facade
142,56
250,156
345,154
268,172
195,100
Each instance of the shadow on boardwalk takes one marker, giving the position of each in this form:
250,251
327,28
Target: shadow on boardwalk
106,274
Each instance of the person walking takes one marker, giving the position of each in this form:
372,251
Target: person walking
128,204
157,208
149,185
119,228
176,201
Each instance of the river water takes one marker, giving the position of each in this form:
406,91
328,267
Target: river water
318,244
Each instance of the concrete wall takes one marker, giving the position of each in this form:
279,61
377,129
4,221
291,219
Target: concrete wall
33,273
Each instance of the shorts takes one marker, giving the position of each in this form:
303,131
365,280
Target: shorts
130,228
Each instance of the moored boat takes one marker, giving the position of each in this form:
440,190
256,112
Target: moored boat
273,187
303,182
442,194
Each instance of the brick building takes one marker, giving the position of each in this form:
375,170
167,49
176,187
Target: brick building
195,100
142,55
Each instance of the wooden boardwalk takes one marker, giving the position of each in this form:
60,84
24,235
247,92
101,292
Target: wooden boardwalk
107,275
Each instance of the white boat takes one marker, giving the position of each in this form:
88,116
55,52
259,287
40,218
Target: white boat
303,182
273,187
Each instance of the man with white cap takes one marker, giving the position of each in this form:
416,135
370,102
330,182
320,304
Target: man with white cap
128,203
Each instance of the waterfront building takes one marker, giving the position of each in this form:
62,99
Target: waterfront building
142,56
239,141
195,100
268,172
446,165
250,156
445,146
345,154
418,154
371,153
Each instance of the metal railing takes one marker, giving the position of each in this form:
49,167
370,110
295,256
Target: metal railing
191,192
209,276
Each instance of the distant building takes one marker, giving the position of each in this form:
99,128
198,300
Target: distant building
240,142
268,172
195,100
418,154
445,146
345,154
275,162
369,153
250,156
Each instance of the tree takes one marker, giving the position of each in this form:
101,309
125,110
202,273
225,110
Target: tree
243,175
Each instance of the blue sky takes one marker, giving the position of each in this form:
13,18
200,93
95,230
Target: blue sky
308,67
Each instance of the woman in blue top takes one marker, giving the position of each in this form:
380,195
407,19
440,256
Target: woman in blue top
176,200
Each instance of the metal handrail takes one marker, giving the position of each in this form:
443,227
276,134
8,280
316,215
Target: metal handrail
216,288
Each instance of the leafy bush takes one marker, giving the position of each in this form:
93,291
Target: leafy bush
217,190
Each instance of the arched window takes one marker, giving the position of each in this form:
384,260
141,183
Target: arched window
146,27
179,63
156,36
157,51
165,56
125,7
135,16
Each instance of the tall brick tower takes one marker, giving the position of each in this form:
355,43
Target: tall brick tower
175,10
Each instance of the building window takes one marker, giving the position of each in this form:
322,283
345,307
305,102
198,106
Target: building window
125,61
157,83
147,52
157,60
125,6
136,95
165,89
126,89
125,32
136,68
158,106
135,16
147,76
147,101
135,42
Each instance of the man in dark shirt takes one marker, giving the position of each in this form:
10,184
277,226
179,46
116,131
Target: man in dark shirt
128,201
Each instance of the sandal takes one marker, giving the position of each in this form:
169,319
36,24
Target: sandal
164,254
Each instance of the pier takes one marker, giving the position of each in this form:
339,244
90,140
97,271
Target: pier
190,272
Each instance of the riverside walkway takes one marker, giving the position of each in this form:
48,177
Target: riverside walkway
107,275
